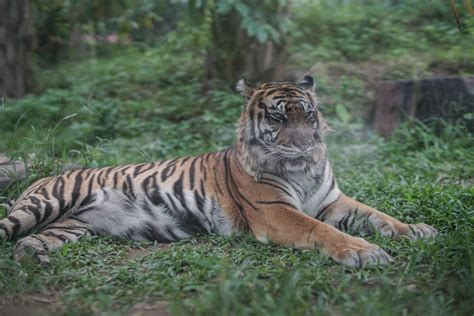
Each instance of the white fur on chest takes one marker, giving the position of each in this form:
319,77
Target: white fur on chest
320,189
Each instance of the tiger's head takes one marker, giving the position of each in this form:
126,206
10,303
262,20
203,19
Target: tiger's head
280,127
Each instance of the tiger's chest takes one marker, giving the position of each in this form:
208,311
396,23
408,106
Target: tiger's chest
311,192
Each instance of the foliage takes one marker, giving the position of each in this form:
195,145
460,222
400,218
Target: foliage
381,31
61,24
259,20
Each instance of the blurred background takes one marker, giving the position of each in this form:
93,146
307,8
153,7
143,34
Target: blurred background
160,74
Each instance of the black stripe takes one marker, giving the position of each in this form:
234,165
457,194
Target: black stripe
84,210
116,180
124,169
323,211
147,208
131,192
35,211
37,204
276,202
100,179
149,184
294,184
231,192
138,168
45,193
170,231
151,166
150,232
69,230
43,243
156,198
91,185
16,225
168,170
351,225
275,186
76,191
63,238
203,189
191,173
183,161
179,193
199,201
58,192
79,220
48,209
173,207
345,220
366,223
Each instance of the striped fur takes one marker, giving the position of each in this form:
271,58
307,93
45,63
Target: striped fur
276,184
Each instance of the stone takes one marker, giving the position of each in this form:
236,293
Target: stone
10,171
449,98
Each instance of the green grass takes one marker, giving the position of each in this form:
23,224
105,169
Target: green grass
144,105
212,275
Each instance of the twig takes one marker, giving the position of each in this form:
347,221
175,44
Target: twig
455,12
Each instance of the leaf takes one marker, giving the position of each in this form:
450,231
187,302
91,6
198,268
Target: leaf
342,113
224,6
468,116
262,35
274,35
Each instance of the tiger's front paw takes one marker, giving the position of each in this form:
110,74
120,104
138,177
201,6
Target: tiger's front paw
412,231
357,252
419,231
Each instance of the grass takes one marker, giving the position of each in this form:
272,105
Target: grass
212,275
144,105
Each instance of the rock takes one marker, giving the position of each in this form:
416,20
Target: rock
449,98
10,171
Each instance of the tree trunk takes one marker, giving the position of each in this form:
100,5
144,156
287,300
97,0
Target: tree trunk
16,44
233,54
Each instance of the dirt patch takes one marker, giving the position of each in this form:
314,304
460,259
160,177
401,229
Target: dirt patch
134,253
149,309
26,310
29,305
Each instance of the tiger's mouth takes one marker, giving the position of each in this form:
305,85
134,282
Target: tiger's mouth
295,164
301,160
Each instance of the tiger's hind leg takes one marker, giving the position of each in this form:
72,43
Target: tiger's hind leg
51,238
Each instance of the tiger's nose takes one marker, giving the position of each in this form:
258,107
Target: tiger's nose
302,144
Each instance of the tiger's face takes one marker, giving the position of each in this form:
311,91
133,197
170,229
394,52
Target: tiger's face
281,127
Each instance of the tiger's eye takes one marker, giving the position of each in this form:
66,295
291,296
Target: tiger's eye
309,116
276,118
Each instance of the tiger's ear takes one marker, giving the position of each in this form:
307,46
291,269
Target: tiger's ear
307,83
244,88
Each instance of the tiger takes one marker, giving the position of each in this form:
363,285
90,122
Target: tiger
276,184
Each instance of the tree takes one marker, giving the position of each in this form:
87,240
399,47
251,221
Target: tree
16,45
246,39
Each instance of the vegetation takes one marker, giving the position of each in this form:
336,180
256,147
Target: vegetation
144,102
